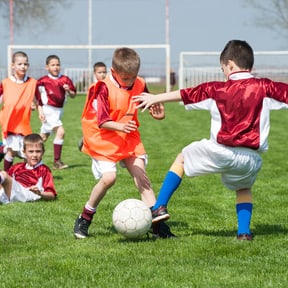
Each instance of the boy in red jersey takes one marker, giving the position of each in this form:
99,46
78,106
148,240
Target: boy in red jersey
53,89
110,133
100,73
30,180
240,124
17,93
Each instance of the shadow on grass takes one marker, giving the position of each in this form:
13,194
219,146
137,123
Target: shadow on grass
261,229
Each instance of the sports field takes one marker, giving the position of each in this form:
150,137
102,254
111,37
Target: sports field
38,249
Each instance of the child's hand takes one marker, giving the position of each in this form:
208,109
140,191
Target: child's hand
36,190
66,87
145,100
157,111
130,126
42,117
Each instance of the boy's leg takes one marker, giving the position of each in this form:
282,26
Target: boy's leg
58,145
6,182
171,183
83,222
244,208
136,167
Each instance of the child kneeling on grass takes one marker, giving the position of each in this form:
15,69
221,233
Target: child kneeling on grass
30,180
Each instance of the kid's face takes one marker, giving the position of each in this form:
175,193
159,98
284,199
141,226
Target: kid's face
100,73
33,153
126,80
20,66
54,67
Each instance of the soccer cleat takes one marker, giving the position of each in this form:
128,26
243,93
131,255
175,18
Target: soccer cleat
160,214
81,227
161,230
80,144
58,165
245,236
2,153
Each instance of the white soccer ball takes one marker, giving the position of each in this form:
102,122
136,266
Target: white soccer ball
132,218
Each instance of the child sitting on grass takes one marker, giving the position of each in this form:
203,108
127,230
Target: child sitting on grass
30,180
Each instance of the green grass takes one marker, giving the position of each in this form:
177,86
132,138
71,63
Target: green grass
37,247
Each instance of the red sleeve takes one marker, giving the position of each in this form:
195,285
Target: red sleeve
1,89
103,106
48,182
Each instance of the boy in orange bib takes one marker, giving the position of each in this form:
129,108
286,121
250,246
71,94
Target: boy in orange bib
110,135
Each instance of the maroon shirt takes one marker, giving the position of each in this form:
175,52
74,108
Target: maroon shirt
53,93
30,177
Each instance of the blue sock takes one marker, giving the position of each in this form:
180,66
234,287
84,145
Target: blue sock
244,213
170,184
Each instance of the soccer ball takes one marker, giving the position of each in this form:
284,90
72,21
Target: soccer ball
132,218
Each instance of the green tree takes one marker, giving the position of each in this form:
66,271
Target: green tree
36,14
273,14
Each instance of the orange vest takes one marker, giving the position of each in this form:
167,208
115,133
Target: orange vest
108,145
16,110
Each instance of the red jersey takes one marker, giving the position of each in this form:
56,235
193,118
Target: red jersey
239,108
30,177
51,90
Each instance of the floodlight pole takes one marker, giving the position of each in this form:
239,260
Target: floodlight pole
167,43
89,41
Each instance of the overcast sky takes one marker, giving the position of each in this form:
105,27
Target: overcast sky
194,25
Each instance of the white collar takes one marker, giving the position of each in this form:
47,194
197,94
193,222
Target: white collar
240,75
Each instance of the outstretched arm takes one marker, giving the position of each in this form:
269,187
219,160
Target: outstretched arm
145,100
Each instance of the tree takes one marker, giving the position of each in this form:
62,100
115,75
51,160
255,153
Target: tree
273,14
31,13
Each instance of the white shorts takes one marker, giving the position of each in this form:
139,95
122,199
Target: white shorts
53,119
238,166
99,167
18,194
15,142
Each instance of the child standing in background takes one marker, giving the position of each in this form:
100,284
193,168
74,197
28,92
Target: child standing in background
52,96
17,94
100,73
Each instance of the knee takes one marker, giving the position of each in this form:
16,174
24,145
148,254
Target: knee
109,179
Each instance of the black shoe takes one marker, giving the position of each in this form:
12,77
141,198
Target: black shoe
80,144
161,230
160,214
245,236
81,227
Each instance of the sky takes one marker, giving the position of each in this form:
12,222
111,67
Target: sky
194,25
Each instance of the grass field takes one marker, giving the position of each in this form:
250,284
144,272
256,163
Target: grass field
38,249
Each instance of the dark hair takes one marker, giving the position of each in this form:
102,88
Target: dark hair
240,52
19,53
50,57
33,138
98,64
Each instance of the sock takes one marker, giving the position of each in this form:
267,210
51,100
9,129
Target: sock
244,214
57,143
171,183
88,212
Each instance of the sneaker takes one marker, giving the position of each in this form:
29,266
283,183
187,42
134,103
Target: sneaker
160,214
245,236
161,230
59,165
81,227
80,144
2,153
